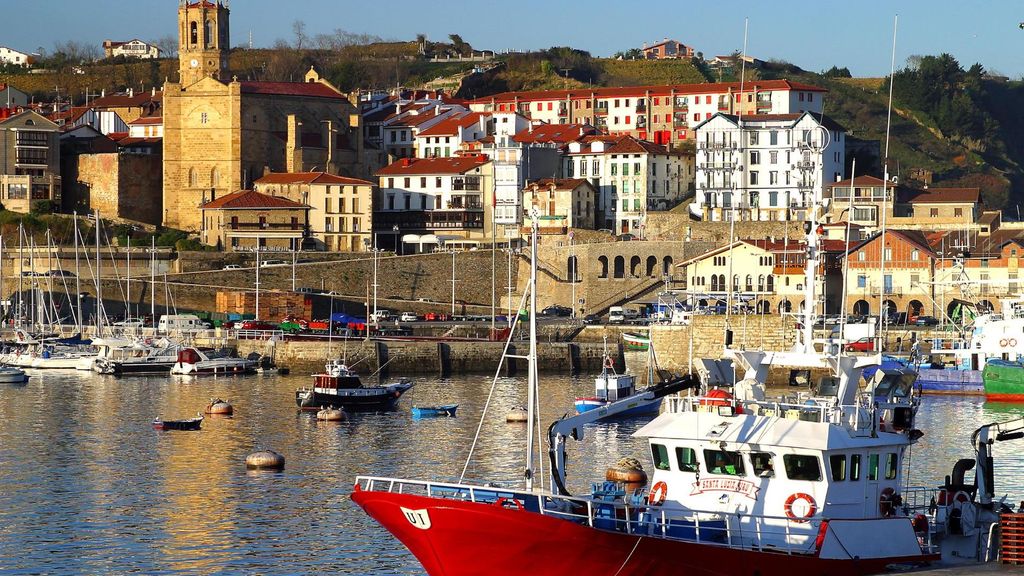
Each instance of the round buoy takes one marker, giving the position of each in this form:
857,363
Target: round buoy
627,470
218,406
516,415
282,370
330,415
264,460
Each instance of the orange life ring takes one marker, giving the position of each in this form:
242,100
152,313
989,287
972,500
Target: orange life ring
505,503
887,502
812,506
658,493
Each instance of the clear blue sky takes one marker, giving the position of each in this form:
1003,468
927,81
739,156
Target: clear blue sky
813,35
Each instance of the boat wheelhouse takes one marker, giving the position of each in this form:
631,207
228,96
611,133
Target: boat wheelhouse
338,386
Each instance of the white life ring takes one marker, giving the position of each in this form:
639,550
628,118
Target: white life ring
1003,343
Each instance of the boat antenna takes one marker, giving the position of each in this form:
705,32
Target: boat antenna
885,184
730,285
532,414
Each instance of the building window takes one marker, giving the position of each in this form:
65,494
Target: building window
862,281
203,118
862,256
915,255
753,137
753,178
933,212
755,157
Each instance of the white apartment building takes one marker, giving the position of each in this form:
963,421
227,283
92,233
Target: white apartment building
766,166
447,137
134,48
664,114
12,56
631,177
398,133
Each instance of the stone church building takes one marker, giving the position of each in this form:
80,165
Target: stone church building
221,133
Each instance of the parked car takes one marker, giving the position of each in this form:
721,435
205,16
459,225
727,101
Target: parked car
307,290
269,263
382,315
556,310
232,267
926,321
592,319
257,325
62,274
409,317
32,274
862,345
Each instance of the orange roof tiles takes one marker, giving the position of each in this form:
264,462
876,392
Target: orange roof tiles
250,199
307,89
554,133
660,90
451,125
418,166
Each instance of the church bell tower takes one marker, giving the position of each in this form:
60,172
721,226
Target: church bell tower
204,40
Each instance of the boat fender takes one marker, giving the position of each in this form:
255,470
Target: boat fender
920,523
608,362
658,493
888,501
508,503
1003,343
812,507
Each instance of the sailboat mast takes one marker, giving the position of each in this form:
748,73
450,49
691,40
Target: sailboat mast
128,282
152,280
78,289
531,382
21,272
99,280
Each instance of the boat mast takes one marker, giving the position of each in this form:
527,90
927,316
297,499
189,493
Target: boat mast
531,358
128,281
99,280
78,290
152,280
21,272
257,316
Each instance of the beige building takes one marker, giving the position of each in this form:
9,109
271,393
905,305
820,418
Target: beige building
562,203
249,220
222,134
341,208
29,160
863,202
134,48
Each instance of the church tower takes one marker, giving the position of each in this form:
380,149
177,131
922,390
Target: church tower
204,41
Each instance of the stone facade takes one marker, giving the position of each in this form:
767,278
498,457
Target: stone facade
341,209
30,161
122,186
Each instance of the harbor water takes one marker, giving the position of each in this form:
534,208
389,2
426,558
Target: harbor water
88,487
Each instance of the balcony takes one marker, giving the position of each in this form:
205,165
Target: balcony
806,165
265,226
641,122
563,111
723,105
764,106
641,108
465,203
601,110
680,105
469,184
425,220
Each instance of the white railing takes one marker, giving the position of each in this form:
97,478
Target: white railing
858,419
259,334
735,530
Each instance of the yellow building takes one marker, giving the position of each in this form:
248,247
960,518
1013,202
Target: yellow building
247,219
222,134
341,208
29,160
562,203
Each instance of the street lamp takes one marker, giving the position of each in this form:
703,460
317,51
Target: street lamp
398,240
453,282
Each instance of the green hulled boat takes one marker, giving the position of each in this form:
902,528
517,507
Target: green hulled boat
636,341
1003,380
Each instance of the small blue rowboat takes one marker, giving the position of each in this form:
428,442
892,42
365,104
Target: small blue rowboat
429,411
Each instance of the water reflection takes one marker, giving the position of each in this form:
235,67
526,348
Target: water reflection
87,486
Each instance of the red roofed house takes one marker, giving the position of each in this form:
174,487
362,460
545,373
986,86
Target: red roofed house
221,133
131,49
667,49
30,161
561,204
931,208
432,202
664,114
341,208
248,220
447,137
631,177
400,130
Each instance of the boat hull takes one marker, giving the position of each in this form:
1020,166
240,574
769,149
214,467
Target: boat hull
233,369
434,411
140,368
648,408
1004,381
355,399
458,538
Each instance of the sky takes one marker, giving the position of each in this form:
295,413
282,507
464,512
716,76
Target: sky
812,35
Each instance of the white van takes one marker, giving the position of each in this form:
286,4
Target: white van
182,322
616,315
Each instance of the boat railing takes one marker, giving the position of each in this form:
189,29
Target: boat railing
856,418
736,530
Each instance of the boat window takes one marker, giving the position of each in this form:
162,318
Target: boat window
761,462
802,467
660,454
890,466
723,462
873,467
838,464
687,458
855,467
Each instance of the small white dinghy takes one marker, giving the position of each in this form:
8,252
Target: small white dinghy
12,375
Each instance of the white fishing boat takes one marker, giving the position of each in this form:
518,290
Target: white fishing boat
198,361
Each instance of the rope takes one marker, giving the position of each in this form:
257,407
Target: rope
626,561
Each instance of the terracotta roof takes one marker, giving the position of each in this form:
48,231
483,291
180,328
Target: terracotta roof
127,100
249,199
147,120
416,166
148,141
860,182
553,133
914,237
380,114
663,42
659,90
559,183
452,125
942,196
630,145
305,89
413,120
310,178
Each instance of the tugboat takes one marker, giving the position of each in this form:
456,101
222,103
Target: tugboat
743,484
340,387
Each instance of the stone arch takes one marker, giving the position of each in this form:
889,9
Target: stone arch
785,306
634,267
763,307
666,265
915,307
748,285
890,307
861,308
208,33
572,269
602,261
194,33
619,267
770,286
652,263
215,178
193,178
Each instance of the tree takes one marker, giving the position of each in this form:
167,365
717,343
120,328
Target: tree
835,72
168,44
631,54
299,30
459,45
